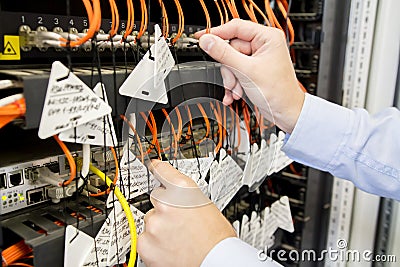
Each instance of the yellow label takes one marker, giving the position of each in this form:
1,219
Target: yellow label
11,50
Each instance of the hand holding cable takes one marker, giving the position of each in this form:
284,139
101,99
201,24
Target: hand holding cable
257,62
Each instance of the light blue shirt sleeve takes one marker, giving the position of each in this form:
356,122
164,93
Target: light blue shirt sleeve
349,144
233,252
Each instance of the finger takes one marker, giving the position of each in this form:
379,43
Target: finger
178,190
241,46
237,92
153,222
228,99
146,246
158,206
228,78
163,171
148,215
236,28
222,52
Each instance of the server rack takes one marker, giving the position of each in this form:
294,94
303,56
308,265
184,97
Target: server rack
322,26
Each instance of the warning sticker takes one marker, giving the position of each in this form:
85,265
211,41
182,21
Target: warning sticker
11,50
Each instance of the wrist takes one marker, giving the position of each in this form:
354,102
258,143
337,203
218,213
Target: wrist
287,111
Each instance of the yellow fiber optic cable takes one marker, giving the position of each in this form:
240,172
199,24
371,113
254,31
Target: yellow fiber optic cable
125,207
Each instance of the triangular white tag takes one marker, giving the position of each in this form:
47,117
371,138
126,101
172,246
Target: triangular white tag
236,227
69,102
120,233
281,210
225,180
98,255
163,59
195,168
270,224
244,145
119,236
92,132
136,179
190,168
281,160
77,246
146,81
140,83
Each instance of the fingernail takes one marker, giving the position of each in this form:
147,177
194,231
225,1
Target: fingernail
206,42
225,100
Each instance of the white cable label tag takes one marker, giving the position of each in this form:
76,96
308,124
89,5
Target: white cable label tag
77,246
260,163
245,229
196,169
281,210
163,59
270,224
215,176
247,169
254,219
264,163
146,81
119,235
69,103
236,227
225,180
120,241
92,132
255,163
140,262
114,235
259,230
136,178
244,145
97,256
140,83
280,159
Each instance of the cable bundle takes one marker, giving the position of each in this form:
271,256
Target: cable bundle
11,111
16,252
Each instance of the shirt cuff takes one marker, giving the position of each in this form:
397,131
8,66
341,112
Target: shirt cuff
320,123
234,252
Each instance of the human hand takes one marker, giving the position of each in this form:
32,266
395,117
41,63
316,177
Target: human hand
176,236
256,61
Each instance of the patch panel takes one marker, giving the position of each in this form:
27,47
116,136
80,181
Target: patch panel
43,38
29,27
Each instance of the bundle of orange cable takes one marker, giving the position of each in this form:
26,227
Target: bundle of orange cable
208,20
164,19
130,21
12,111
181,22
151,124
144,21
15,253
114,18
94,15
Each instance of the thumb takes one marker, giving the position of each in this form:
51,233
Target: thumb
177,189
221,51
168,175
